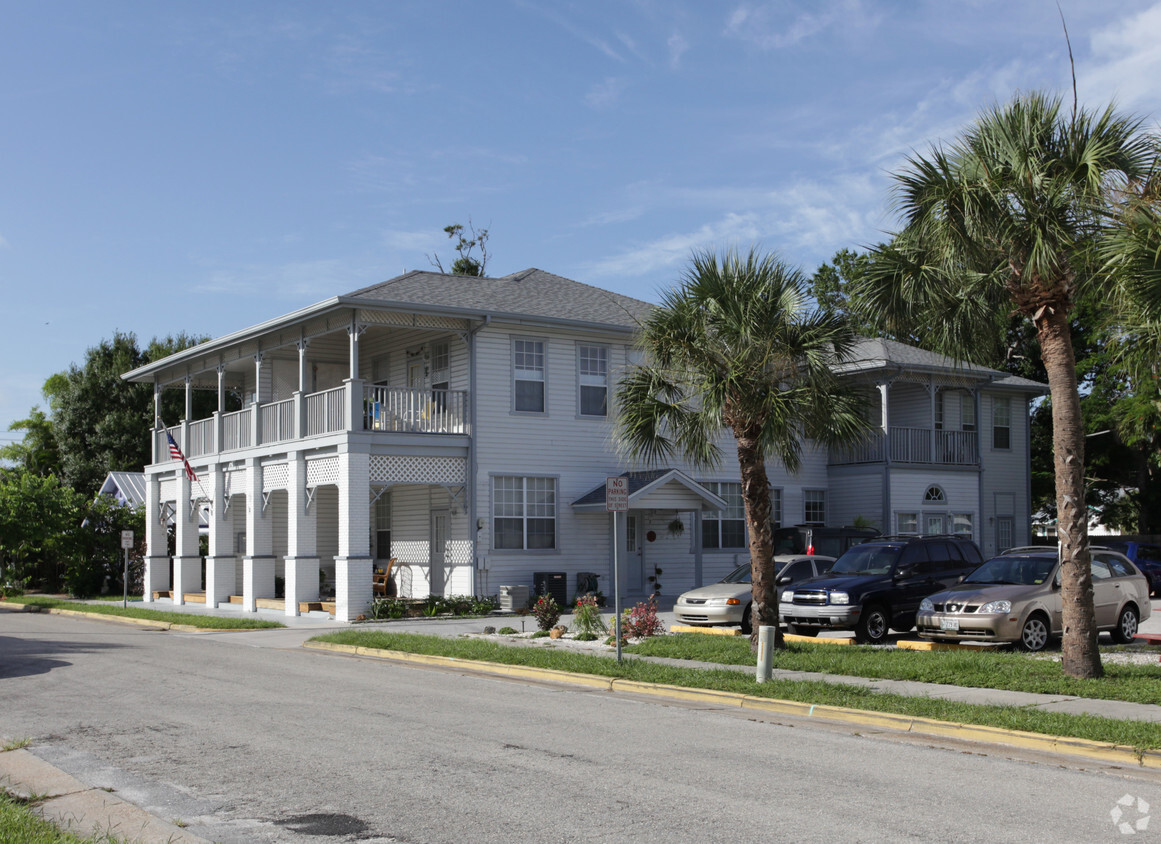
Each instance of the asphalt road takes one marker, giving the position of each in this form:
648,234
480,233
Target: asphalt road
246,739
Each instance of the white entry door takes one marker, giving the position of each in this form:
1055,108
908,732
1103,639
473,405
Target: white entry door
440,528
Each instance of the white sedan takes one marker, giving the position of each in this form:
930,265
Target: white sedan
729,600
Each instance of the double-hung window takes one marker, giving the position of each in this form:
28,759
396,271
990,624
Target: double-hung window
1001,423
725,528
814,506
523,513
527,375
593,377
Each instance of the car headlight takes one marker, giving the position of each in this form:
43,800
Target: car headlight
996,607
787,597
840,598
926,606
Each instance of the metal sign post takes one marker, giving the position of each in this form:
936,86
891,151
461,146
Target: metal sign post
127,544
617,502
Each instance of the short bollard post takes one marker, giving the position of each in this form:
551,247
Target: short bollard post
765,653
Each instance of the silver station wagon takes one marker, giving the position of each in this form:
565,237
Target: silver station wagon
1016,598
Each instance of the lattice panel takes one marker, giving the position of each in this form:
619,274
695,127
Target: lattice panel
169,489
324,471
235,481
275,476
411,320
418,470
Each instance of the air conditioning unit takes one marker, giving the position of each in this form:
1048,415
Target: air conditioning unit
513,598
554,583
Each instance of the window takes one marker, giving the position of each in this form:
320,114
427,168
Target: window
907,523
934,495
593,380
814,506
523,513
528,375
776,508
725,528
1005,529
1001,423
383,526
440,374
967,412
961,525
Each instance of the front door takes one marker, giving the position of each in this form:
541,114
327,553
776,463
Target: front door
440,527
634,557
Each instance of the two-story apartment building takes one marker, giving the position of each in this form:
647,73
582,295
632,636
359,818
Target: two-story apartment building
464,427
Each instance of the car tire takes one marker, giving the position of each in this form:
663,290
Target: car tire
1035,633
799,630
1126,627
747,619
874,624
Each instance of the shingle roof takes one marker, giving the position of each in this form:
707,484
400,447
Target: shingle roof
872,353
529,293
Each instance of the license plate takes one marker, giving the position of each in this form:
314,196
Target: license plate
949,624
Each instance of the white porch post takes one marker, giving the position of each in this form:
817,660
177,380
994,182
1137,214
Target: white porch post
353,383
187,561
258,564
299,400
156,541
157,422
221,564
301,565
221,408
256,406
353,563
697,559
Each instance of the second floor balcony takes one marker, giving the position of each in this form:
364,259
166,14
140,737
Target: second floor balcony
913,445
346,408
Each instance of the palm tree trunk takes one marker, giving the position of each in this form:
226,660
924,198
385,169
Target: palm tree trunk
756,498
1080,655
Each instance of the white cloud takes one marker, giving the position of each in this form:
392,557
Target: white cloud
677,46
1125,64
606,93
775,25
4,244
310,280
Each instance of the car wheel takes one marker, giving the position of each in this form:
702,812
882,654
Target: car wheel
799,630
747,620
873,625
1126,627
1034,634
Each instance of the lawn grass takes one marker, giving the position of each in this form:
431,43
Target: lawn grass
202,621
20,823
1138,734
984,668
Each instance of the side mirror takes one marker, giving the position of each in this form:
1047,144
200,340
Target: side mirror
783,580
905,570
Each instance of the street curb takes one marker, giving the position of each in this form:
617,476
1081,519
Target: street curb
75,807
1097,751
146,622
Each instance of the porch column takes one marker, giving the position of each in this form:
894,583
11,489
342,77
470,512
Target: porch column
188,400
301,563
931,394
256,407
221,408
258,564
157,423
221,564
299,400
353,563
697,570
187,561
353,383
156,541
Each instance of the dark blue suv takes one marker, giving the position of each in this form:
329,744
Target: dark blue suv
1145,555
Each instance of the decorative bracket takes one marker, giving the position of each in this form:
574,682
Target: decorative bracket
375,496
163,512
458,495
266,500
309,497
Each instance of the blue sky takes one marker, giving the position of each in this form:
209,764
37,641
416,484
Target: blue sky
203,166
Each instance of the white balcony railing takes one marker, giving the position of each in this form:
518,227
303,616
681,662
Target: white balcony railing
201,438
326,412
236,429
415,411
913,445
276,421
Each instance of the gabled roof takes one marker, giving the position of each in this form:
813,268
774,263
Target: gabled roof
126,487
644,484
529,293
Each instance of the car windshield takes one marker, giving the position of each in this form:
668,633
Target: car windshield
1024,571
867,559
739,575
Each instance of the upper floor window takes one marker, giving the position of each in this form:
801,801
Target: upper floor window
1001,423
527,375
593,380
725,528
440,366
814,506
934,495
523,513
776,507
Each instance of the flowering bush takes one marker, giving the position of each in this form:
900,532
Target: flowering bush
587,617
641,621
547,612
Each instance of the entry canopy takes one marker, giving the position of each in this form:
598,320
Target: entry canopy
658,489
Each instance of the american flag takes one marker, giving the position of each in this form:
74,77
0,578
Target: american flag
176,454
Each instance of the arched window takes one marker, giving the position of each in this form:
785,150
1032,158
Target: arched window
934,495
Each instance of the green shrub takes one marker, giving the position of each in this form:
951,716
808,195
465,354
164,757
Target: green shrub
547,612
507,631
587,618
386,608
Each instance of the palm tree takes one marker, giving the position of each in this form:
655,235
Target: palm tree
735,346
1009,219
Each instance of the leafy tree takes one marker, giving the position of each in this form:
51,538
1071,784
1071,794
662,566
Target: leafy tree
38,451
1008,218
98,562
39,521
735,346
466,263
